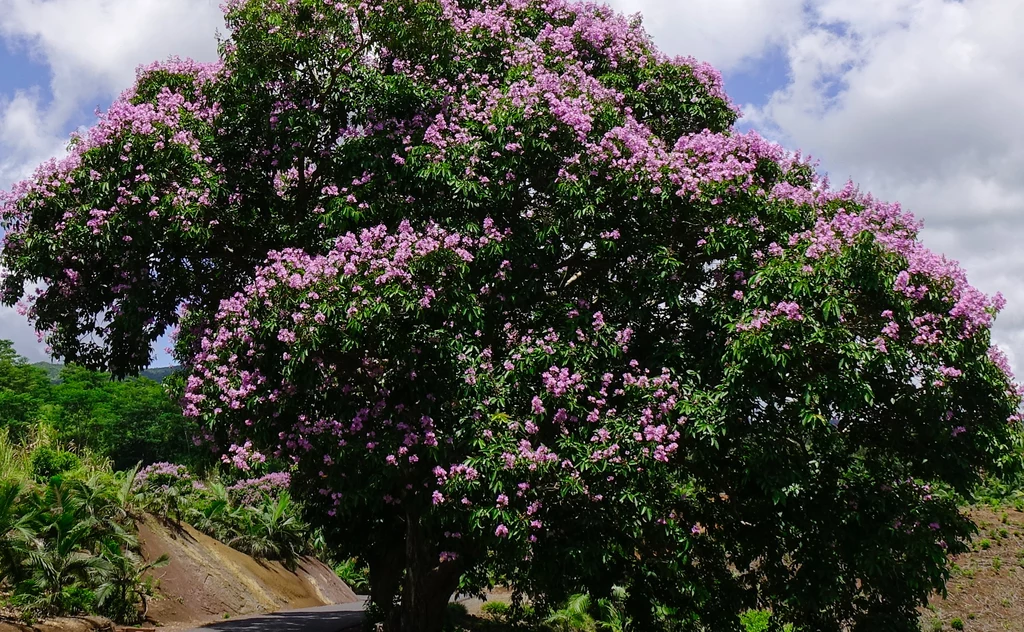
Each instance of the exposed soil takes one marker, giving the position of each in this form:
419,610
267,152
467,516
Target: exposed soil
207,580
65,624
986,591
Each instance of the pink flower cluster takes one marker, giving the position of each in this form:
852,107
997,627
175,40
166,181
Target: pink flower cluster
252,490
243,456
163,121
161,475
789,309
309,284
896,232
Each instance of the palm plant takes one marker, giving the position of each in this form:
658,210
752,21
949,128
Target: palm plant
574,616
16,531
95,495
166,501
61,563
124,585
57,497
611,614
355,575
214,515
126,494
273,531
96,501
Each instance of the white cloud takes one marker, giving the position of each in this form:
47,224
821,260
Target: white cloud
14,327
93,46
25,136
726,33
21,124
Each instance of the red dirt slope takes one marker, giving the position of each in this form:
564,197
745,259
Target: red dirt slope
207,580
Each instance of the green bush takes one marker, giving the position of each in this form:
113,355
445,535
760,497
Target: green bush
957,623
756,620
455,614
497,610
48,462
67,545
78,600
125,583
574,616
356,575
272,530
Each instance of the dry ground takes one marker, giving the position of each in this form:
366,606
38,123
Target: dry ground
986,591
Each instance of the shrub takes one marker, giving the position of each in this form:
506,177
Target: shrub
16,531
124,588
48,462
355,574
454,616
272,530
67,544
78,600
756,620
497,610
254,490
164,488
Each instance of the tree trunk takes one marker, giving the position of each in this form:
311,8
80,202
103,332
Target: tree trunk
428,584
385,556
387,563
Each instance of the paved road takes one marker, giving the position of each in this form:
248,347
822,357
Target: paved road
322,619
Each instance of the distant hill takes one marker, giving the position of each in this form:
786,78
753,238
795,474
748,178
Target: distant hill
156,374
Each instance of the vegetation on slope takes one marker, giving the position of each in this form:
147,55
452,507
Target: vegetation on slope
68,541
77,470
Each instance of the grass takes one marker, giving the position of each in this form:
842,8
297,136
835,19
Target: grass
16,458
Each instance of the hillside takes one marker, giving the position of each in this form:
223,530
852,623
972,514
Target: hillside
157,374
207,580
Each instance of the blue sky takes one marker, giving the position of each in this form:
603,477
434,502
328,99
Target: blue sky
19,71
916,100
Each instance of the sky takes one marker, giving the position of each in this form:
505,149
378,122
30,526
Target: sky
918,101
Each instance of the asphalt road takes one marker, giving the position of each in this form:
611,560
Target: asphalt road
322,619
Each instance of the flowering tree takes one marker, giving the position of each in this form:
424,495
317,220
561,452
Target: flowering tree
518,304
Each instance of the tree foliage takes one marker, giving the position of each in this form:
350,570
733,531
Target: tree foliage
21,389
519,304
126,421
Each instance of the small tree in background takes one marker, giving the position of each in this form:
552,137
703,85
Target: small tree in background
518,304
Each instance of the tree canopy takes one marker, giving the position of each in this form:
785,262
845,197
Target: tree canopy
125,421
510,292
